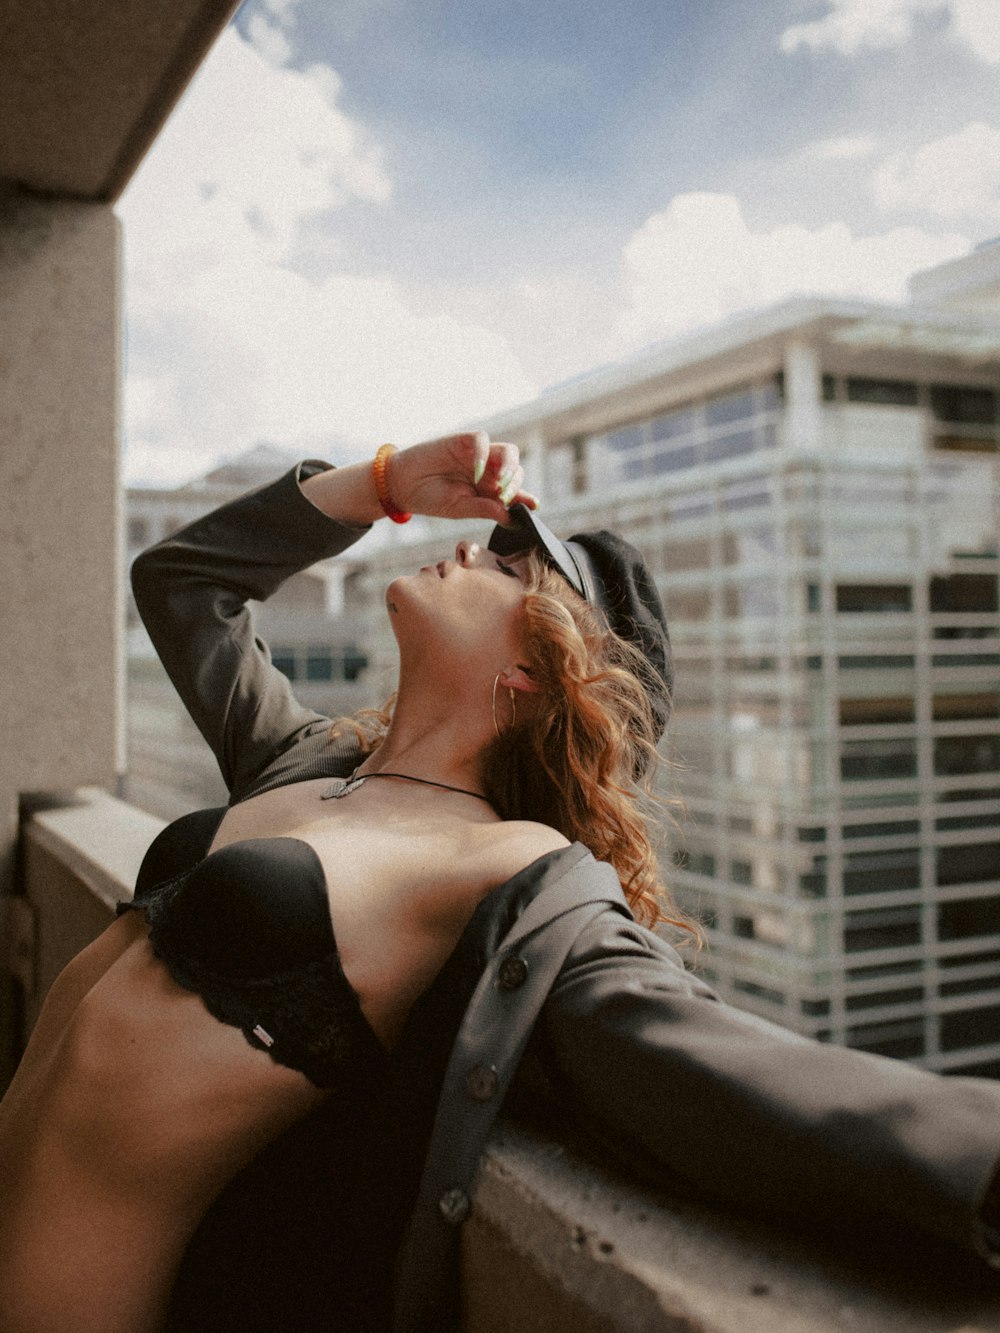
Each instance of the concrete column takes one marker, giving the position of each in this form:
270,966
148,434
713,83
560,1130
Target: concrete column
803,397
60,571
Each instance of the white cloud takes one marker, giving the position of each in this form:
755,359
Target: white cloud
698,261
955,177
847,148
228,344
851,25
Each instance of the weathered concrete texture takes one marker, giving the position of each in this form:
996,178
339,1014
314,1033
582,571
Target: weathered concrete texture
59,500
557,1245
79,860
84,87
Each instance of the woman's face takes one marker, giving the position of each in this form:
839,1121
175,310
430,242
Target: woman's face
467,607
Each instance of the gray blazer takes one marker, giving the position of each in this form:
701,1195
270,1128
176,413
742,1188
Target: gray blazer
640,1052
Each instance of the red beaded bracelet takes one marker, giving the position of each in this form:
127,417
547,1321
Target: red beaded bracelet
379,469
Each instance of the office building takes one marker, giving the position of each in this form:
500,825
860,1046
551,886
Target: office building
816,488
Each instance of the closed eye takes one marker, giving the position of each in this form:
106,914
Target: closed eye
509,570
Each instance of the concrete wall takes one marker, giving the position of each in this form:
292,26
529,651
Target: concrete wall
59,506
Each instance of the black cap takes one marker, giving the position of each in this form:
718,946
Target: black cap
610,574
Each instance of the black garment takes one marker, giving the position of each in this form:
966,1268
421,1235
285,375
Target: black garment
248,929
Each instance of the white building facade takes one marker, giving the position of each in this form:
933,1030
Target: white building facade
817,489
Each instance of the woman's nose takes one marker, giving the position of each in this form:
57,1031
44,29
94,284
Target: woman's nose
467,553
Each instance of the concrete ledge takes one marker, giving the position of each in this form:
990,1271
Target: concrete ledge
81,857
99,840
556,1244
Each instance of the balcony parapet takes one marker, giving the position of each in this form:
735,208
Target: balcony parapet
556,1243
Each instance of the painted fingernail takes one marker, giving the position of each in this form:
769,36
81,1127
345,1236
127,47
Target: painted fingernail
480,468
507,493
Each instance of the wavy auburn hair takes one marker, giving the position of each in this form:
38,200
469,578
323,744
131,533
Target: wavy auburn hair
584,758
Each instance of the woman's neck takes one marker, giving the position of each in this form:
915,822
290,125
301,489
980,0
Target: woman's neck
432,738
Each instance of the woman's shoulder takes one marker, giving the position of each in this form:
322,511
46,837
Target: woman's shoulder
514,844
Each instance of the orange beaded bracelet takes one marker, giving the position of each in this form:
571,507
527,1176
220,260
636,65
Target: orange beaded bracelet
379,469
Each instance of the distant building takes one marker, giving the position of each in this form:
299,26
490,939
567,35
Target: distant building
817,488
308,624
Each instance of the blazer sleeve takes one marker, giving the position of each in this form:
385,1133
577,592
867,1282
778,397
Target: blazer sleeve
192,590
682,1087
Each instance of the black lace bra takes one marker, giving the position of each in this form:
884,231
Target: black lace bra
248,929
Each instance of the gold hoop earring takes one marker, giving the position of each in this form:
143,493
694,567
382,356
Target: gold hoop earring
513,709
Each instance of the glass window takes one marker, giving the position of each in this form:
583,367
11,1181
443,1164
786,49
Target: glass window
881,928
971,985
673,460
955,822
812,883
879,970
891,828
868,662
731,445
876,597
319,664
966,754
965,707
871,761
284,660
969,593
700,863
969,863
729,407
354,663
876,712
970,1027
900,393
741,872
881,998
671,425
627,438
959,402
138,531
902,1040
882,872
816,833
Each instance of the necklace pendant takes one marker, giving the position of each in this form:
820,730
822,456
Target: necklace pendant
341,787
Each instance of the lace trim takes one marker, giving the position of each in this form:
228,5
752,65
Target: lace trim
312,1015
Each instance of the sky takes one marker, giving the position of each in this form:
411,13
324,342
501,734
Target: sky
378,220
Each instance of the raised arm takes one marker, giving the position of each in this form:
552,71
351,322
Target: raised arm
683,1087
192,589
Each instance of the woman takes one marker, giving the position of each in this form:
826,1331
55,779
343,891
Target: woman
343,966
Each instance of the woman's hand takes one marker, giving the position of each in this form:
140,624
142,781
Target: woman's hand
458,476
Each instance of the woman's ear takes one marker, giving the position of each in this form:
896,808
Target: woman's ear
519,678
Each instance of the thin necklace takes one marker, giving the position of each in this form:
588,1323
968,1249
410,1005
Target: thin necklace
344,786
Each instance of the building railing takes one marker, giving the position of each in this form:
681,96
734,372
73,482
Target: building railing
555,1243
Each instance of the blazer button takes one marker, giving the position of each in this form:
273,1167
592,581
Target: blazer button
455,1206
481,1082
513,973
